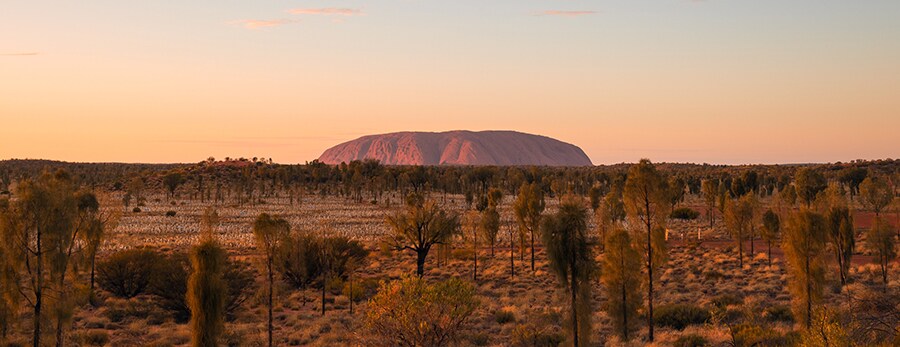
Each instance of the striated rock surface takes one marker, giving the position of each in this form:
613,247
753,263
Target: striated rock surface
458,148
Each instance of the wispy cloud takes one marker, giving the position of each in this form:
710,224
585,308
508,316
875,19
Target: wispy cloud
327,11
19,54
566,13
262,23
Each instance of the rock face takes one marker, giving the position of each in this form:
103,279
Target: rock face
458,148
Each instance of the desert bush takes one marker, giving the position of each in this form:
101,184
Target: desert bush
127,274
504,316
532,336
691,340
299,262
334,286
362,289
754,335
170,213
462,254
725,300
479,339
679,316
779,313
713,275
95,337
684,213
119,310
412,312
136,210
169,285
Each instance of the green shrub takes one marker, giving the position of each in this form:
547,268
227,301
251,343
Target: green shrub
127,274
422,312
679,316
685,213
504,316
691,340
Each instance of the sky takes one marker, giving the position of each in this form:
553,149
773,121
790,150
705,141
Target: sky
713,81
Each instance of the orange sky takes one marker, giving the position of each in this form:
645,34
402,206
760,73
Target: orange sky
707,81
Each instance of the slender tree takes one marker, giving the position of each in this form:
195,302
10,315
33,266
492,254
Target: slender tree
621,277
610,213
875,194
420,227
771,230
809,183
564,235
490,225
842,237
339,255
471,220
804,246
37,225
710,190
206,292
9,296
528,208
739,218
172,181
270,232
647,203
880,239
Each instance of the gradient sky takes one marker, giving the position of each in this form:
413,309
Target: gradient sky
716,81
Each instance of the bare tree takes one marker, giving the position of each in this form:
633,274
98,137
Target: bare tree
647,203
421,226
270,233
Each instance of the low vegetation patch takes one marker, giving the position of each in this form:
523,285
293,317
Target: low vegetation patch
679,316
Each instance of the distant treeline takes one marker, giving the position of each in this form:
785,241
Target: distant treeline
261,177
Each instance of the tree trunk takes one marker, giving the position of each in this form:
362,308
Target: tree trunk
475,255
323,296
38,292
649,275
420,263
59,334
574,307
271,294
624,296
512,253
770,252
808,294
532,250
93,262
752,241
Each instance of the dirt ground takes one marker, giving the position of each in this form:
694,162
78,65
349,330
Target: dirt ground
695,274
